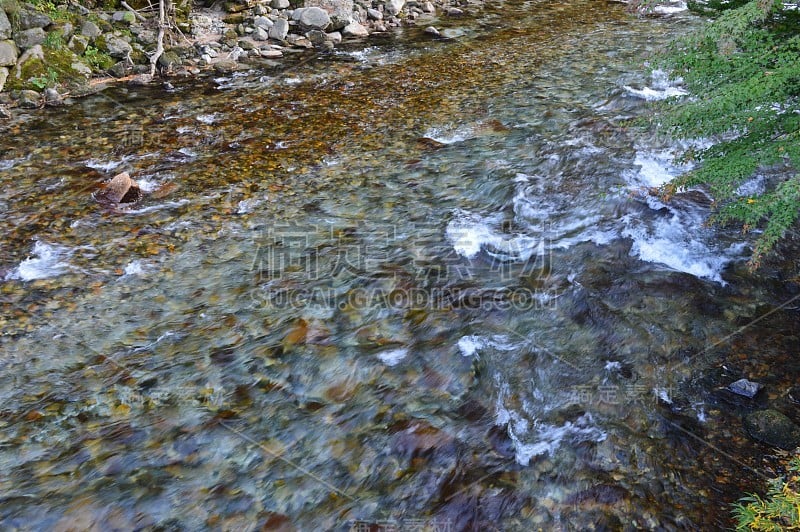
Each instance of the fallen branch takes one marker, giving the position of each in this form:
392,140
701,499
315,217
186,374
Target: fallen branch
136,14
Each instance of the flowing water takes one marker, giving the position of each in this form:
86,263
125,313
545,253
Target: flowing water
424,281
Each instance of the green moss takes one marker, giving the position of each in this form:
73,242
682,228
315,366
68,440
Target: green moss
97,59
49,8
56,69
54,40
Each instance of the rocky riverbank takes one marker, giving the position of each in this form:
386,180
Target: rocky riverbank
49,52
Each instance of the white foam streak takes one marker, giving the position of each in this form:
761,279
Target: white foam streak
450,135
470,345
470,234
46,260
661,88
393,357
674,240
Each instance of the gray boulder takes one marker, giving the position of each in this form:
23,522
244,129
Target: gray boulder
91,30
280,4
339,11
3,77
5,26
29,38
30,19
52,97
260,34
124,16
374,14
117,47
354,29
313,18
393,7
169,59
279,30
67,30
81,68
773,428
263,22
8,53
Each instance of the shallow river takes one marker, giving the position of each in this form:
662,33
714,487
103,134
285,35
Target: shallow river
423,281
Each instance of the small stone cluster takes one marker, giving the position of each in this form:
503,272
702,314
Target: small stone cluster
45,54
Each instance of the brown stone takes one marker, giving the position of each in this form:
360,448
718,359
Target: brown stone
121,189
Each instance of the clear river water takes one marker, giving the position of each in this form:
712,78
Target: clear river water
425,281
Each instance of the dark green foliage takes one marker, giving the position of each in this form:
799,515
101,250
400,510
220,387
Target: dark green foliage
743,70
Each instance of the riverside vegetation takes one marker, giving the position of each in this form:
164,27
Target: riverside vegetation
743,70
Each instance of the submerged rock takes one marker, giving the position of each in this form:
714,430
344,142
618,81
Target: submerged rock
773,428
794,394
745,388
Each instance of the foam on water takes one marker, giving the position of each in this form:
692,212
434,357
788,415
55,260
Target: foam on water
106,166
538,438
656,168
147,185
678,240
670,9
247,206
393,356
207,119
470,345
450,135
661,88
137,268
470,234
46,260
160,206
752,187
674,234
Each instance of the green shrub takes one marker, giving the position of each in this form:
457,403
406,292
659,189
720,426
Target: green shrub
97,59
743,72
779,510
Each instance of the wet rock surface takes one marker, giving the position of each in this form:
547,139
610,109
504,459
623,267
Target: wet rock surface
773,428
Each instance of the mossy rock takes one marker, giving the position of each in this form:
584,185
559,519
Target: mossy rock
55,69
773,428
169,59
